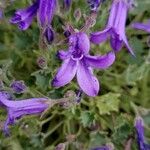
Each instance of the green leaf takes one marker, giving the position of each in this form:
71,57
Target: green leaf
108,103
87,118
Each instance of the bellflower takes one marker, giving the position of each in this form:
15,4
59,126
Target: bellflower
115,28
77,61
18,109
46,12
139,125
23,17
142,26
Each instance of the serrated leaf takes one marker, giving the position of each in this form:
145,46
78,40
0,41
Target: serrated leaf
108,103
86,118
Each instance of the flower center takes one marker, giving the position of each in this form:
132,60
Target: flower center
77,55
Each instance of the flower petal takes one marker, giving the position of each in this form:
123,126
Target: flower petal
142,26
101,62
127,45
116,43
99,37
86,80
66,73
63,54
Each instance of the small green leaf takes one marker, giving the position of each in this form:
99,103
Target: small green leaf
108,103
86,118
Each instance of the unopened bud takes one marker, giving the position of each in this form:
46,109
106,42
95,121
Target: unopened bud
49,35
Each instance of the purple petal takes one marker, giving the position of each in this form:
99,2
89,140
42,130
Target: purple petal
116,43
83,42
47,9
23,25
23,14
66,73
101,62
142,26
139,125
86,80
127,45
63,54
99,37
17,109
80,41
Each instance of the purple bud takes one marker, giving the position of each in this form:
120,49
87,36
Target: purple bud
67,33
18,87
49,35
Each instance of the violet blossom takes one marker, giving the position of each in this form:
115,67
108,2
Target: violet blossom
115,28
139,126
77,61
20,108
23,17
18,87
44,9
142,26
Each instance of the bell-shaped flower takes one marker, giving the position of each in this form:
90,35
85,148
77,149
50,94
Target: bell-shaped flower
115,28
46,12
139,126
20,108
77,61
142,26
23,17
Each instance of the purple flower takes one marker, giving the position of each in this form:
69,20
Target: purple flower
18,109
77,61
67,3
142,26
23,17
115,28
94,4
46,12
18,87
139,125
